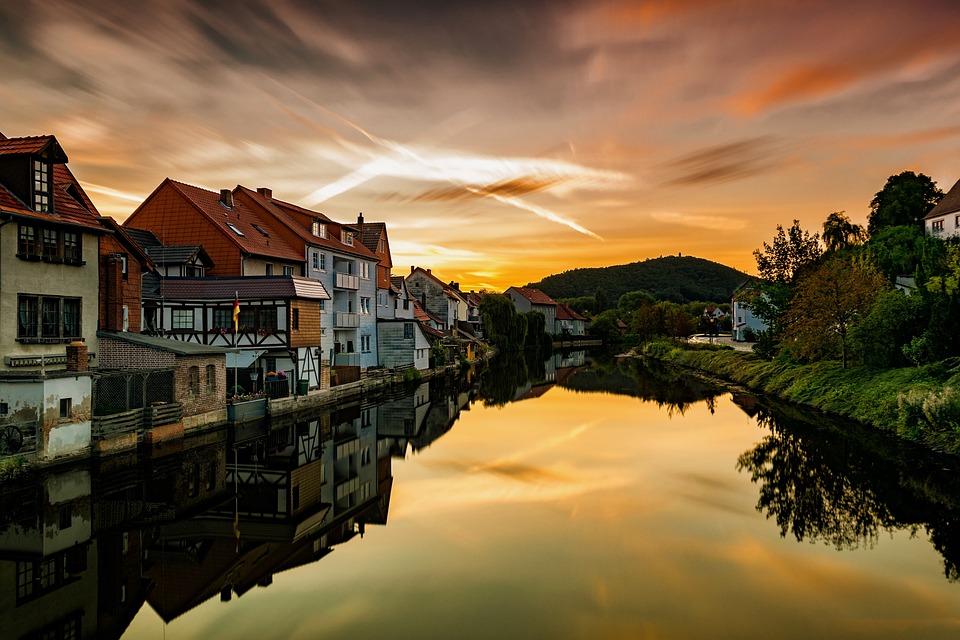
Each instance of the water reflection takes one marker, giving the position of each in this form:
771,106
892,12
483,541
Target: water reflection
82,550
845,485
213,516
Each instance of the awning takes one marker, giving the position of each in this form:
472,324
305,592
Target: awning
243,359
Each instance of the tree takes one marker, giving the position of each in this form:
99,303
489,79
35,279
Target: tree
633,300
904,200
896,250
601,302
830,301
791,252
502,325
839,233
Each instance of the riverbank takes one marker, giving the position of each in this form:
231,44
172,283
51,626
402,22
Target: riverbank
921,404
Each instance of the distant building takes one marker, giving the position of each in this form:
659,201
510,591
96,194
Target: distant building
943,221
744,322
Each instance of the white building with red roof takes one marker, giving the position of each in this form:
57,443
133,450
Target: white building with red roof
529,299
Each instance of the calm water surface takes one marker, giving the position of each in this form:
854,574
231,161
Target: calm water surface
599,501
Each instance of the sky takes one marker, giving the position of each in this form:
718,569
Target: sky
501,141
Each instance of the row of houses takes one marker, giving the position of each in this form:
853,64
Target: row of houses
218,290
559,318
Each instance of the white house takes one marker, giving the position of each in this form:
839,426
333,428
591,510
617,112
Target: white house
943,221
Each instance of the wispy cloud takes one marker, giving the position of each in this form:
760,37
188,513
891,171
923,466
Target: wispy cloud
725,162
700,221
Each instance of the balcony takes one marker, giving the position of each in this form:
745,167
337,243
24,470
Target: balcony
344,320
347,281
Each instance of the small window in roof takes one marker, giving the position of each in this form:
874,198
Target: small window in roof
234,229
260,229
318,229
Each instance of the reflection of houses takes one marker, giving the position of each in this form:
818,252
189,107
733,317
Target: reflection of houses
48,567
403,418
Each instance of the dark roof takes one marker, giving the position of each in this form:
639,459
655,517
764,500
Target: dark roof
178,255
246,288
178,347
566,313
125,240
30,145
370,234
948,204
143,237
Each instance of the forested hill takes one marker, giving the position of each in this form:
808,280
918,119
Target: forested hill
680,279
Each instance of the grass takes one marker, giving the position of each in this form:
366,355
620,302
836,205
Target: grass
917,403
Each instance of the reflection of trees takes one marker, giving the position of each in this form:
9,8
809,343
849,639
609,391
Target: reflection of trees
508,372
648,380
844,484
811,493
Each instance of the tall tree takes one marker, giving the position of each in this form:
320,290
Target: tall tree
829,301
791,251
839,233
502,325
905,199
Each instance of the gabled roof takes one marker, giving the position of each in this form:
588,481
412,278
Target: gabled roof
246,288
950,203
71,205
398,284
535,296
370,234
298,220
143,237
125,240
183,254
240,217
566,313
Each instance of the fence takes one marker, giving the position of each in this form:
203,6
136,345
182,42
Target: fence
135,420
118,392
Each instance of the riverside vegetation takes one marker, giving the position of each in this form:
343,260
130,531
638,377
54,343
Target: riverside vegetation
842,336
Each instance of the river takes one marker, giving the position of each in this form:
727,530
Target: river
581,497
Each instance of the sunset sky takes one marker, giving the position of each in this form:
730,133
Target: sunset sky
500,141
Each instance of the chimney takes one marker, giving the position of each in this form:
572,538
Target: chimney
412,268
77,358
360,222
265,192
226,198
429,272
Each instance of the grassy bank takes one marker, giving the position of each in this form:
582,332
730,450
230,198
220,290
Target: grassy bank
920,404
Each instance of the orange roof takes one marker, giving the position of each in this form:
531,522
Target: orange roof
566,313
242,218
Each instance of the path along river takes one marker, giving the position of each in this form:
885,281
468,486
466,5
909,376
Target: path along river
577,498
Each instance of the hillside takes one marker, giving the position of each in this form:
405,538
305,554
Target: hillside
681,279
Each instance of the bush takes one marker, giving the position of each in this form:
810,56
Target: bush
412,375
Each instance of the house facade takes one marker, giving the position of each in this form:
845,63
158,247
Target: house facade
744,322
529,299
943,221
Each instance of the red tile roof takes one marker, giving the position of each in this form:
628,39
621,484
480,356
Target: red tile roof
242,217
566,313
535,296
27,145
299,219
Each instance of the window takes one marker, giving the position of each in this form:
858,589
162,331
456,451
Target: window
365,344
51,244
222,318
41,186
234,229
316,261
269,269
295,319
183,318
71,250
380,247
365,306
50,317
71,317
937,226
288,271
262,231
381,298
318,229
323,262
323,305
4,408
124,262
211,379
28,315
27,243
247,319
956,221
193,381
66,407
365,270
407,331
267,318
346,237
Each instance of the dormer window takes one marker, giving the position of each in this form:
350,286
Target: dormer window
346,237
318,229
41,186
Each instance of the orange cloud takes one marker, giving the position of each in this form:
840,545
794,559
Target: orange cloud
803,82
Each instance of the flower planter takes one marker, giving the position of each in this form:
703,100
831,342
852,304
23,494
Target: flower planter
247,410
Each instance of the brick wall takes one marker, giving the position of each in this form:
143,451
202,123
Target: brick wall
192,391
117,354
